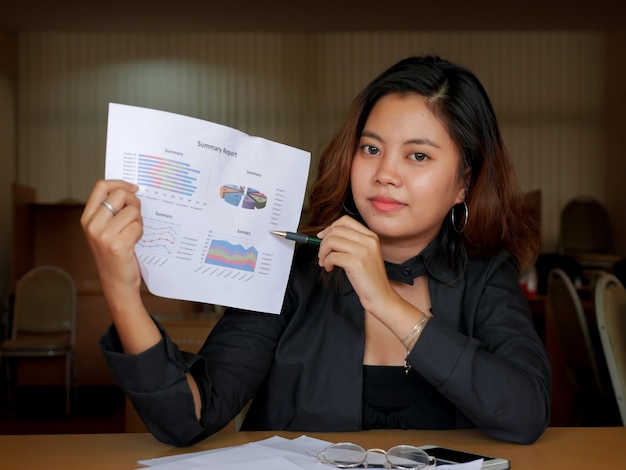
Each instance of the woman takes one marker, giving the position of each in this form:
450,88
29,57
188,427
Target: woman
410,314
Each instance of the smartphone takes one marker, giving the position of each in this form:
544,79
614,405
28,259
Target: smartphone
446,456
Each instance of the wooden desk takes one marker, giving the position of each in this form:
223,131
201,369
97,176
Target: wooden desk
558,448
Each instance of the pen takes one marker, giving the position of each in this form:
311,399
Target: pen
298,237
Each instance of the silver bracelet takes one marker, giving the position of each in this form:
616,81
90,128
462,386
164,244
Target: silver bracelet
416,329
414,332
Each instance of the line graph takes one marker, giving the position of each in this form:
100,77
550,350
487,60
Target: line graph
158,237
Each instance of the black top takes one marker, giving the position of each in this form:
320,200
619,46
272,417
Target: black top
478,362
391,399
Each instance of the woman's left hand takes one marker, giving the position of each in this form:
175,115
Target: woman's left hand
350,245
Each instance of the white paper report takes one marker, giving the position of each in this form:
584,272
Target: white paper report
209,196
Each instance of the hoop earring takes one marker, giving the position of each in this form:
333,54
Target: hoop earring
348,211
353,213
465,218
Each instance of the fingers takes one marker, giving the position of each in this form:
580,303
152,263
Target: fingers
351,246
112,229
116,193
347,243
109,206
348,223
111,209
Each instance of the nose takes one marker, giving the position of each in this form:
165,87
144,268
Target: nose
388,171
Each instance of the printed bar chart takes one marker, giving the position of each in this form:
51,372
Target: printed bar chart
164,173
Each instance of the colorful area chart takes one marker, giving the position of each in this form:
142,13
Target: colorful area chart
229,255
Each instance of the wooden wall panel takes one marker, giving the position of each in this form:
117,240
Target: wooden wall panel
547,88
51,234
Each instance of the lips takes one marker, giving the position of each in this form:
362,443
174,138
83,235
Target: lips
386,204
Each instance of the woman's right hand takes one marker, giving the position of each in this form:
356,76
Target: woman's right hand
112,234
112,237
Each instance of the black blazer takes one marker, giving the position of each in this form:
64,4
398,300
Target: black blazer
479,355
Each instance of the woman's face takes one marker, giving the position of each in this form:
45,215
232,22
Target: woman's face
405,172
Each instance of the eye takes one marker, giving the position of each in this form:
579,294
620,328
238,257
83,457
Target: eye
418,156
370,149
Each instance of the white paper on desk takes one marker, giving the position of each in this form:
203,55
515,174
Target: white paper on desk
275,453
209,196
264,454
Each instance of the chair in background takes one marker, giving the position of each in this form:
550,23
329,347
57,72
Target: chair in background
585,233
575,342
610,302
619,270
44,322
546,262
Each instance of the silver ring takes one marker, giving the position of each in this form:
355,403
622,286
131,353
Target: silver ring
108,205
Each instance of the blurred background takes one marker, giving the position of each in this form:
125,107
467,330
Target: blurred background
287,71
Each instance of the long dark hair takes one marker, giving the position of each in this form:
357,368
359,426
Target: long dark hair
498,218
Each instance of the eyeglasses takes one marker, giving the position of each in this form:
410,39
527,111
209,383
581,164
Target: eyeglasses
348,455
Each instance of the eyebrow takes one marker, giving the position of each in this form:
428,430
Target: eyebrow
416,140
